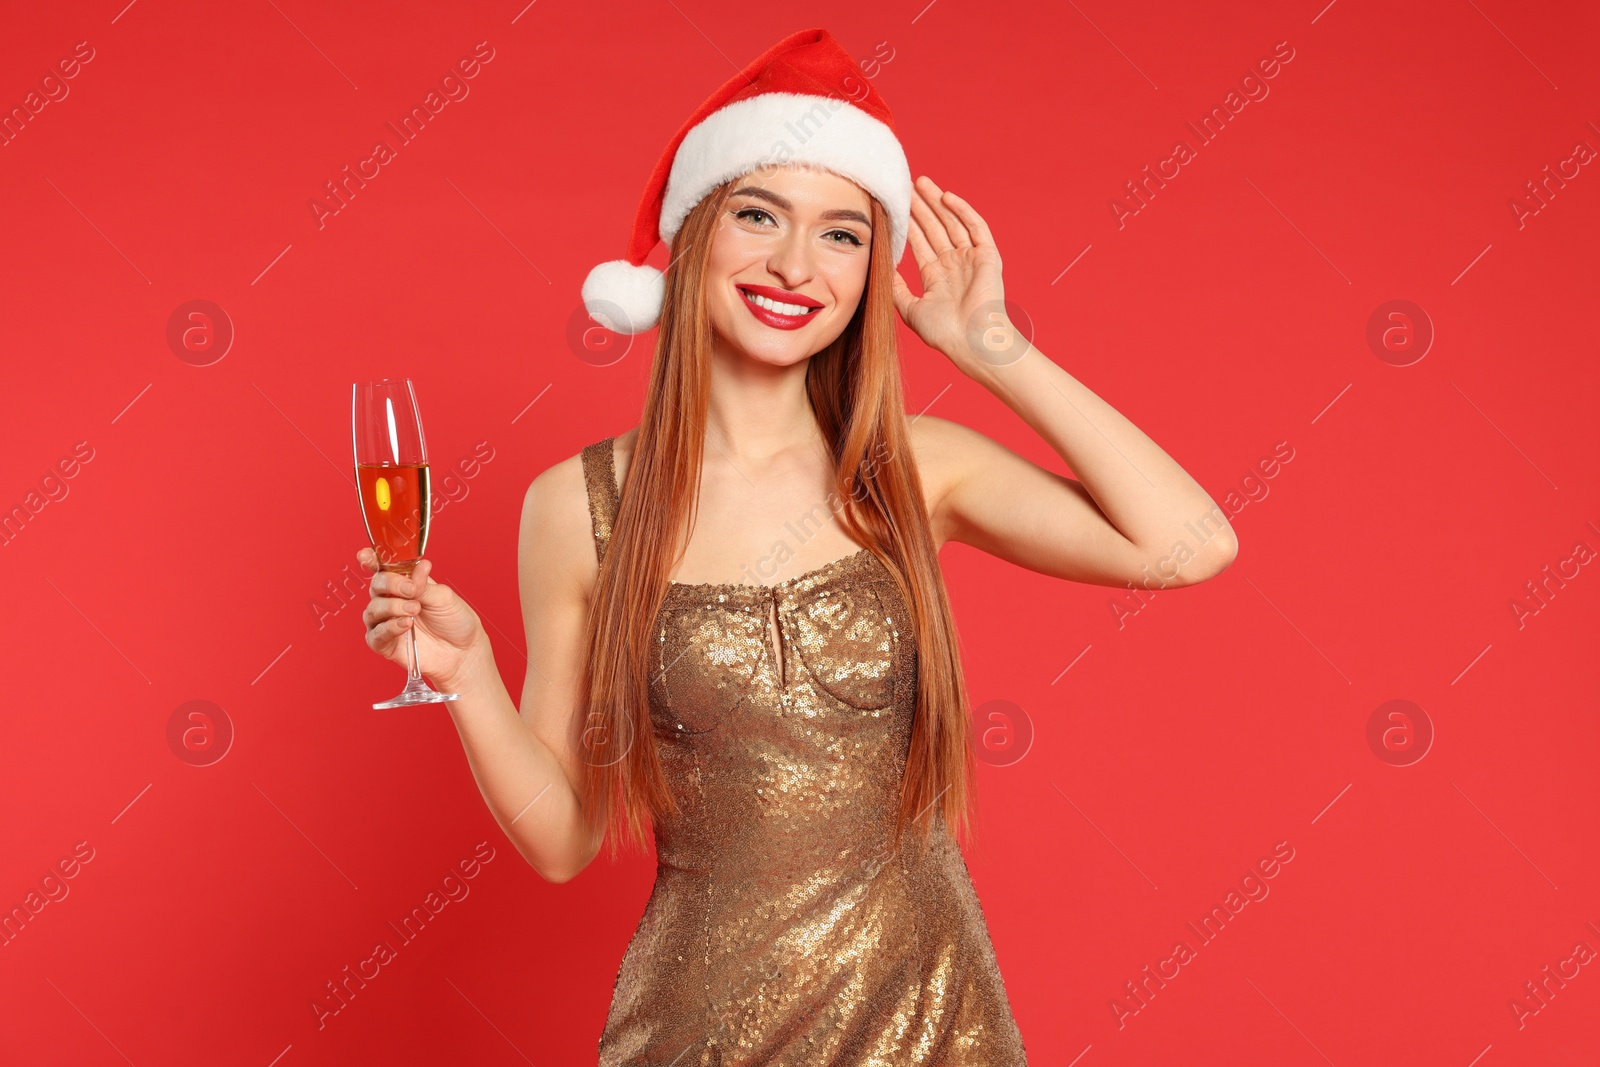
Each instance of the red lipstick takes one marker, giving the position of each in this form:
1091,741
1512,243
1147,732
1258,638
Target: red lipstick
782,295
777,319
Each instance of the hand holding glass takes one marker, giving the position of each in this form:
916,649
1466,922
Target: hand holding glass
392,479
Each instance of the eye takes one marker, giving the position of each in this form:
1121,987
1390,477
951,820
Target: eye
846,234
748,214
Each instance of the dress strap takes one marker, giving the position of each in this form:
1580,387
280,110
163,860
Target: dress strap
600,478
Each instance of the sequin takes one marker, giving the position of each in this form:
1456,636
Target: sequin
784,927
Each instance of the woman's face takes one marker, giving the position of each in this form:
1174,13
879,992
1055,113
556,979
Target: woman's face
797,241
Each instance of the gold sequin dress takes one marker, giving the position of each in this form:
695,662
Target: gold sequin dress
783,928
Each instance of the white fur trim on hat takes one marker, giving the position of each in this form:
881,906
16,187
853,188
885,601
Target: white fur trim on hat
777,128
624,298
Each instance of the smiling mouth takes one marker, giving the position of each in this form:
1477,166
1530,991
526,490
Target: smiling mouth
777,307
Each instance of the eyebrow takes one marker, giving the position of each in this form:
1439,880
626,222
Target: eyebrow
777,201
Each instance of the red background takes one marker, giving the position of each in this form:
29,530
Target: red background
1226,316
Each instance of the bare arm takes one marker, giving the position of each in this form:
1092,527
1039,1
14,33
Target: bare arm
1136,516
557,568
522,761
985,495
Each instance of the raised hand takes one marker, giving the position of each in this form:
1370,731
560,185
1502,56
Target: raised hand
961,311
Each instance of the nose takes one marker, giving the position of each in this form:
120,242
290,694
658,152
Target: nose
791,261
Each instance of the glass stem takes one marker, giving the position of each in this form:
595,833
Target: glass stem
413,671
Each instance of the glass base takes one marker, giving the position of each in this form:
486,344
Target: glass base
417,692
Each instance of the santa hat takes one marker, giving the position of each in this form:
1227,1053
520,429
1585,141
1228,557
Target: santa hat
804,101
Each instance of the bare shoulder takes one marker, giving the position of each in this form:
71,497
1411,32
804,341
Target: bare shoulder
555,545
555,542
943,451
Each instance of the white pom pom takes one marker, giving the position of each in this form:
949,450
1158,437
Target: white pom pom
624,298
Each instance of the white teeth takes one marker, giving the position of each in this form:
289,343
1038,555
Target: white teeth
773,305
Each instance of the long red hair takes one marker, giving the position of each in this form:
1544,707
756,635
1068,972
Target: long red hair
855,392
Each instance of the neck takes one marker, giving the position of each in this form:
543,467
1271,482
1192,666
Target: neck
757,410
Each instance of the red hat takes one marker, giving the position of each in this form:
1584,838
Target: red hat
804,100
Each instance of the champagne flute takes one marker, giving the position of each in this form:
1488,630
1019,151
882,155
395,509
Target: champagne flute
392,479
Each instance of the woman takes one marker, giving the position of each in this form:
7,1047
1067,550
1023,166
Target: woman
747,646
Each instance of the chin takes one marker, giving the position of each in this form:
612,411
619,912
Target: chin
777,351
778,348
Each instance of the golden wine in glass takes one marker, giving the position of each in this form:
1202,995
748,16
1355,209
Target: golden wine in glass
392,480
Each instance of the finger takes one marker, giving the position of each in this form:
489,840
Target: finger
418,587
368,558
398,583
381,639
425,589
959,237
974,222
920,248
390,583
382,608
903,300
436,596
932,228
